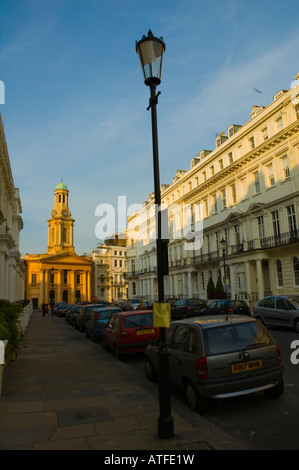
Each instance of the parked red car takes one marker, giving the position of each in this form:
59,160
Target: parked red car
129,332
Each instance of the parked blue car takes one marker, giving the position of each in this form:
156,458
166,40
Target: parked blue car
97,321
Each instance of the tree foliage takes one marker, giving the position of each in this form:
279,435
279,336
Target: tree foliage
9,315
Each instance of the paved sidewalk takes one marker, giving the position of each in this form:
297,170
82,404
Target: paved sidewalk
64,392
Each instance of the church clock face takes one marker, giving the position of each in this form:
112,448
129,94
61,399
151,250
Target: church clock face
53,213
64,213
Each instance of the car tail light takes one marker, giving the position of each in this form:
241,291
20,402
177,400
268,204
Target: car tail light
230,310
278,355
202,369
188,308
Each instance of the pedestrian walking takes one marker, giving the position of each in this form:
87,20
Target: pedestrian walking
44,308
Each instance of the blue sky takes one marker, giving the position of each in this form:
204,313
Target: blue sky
75,101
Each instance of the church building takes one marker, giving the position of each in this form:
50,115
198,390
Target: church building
60,274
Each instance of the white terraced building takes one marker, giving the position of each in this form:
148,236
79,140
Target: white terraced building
248,191
12,270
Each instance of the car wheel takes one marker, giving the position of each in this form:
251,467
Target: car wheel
194,400
296,325
150,372
276,391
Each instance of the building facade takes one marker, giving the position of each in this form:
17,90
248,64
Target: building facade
110,270
12,270
233,214
59,274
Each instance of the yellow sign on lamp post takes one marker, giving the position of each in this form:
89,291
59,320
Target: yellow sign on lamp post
162,315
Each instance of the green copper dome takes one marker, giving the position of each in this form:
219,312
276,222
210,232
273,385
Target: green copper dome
61,185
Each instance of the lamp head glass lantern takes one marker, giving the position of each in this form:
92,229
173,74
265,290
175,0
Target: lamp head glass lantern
223,244
150,51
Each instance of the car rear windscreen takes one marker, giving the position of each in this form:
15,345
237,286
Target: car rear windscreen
133,321
235,337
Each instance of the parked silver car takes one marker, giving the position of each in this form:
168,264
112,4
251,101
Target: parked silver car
211,357
278,310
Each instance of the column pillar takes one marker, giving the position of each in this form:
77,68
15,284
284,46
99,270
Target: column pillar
59,295
11,281
248,280
260,279
47,293
41,287
73,286
189,274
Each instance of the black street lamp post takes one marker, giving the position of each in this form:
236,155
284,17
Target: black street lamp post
150,50
223,243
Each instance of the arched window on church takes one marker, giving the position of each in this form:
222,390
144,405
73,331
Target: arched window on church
64,235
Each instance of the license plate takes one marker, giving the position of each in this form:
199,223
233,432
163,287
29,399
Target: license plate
145,331
246,366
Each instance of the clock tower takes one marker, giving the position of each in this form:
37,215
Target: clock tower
61,224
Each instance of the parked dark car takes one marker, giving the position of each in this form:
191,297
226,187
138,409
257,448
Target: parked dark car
186,308
279,311
134,303
60,309
129,332
211,357
145,305
84,313
69,311
73,314
226,307
97,321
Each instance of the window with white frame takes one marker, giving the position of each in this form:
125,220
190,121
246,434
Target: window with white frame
265,133
237,235
292,219
212,170
276,224
252,142
279,123
223,193
279,273
296,270
256,180
234,193
221,164
285,167
226,237
230,157
214,199
261,227
270,172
